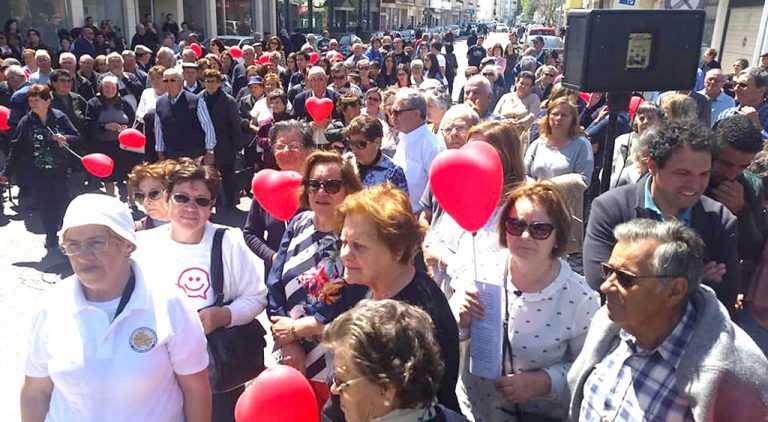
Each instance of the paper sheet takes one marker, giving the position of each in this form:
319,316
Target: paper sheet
485,352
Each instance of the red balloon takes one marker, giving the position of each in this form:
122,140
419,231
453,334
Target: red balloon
277,192
279,393
197,49
467,183
5,112
584,96
132,138
236,52
264,59
319,108
98,164
634,103
313,57
338,56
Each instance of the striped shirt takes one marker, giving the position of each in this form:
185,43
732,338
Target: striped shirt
306,279
633,384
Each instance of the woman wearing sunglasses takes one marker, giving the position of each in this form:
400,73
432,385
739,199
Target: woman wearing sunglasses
546,311
363,138
180,254
147,182
348,106
306,285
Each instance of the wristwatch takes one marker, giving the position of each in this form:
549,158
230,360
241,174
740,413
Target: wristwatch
209,151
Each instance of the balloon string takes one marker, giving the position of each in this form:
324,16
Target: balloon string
474,253
62,145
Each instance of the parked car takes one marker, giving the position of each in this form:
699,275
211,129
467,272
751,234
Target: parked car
502,27
535,30
231,40
552,43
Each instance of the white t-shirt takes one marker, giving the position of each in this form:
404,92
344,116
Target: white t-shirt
261,111
441,60
187,267
121,370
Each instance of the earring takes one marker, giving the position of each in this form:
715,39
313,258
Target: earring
387,403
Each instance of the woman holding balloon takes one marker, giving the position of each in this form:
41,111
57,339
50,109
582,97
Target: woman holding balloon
106,115
306,286
39,151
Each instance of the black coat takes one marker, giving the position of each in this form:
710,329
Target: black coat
227,124
33,146
710,219
73,107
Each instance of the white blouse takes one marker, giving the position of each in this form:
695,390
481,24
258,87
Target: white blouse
547,330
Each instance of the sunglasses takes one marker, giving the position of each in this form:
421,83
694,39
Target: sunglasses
358,145
153,195
363,68
170,80
551,75
537,229
182,199
624,278
396,112
331,186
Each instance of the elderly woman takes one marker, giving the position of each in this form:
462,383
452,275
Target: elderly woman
290,143
363,138
145,112
373,106
147,182
391,135
179,254
546,78
306,287
438,102
364,69
647,116
417,73
109,328
387,360
38,154
106,115
348,106
520,107
380,238
546,306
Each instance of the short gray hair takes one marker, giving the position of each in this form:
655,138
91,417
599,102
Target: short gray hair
289,126
15,71
42,53
481,80
128,53
528,63
66,55
414,100
115,55
461,110
438,97
165,51
680,253
758,74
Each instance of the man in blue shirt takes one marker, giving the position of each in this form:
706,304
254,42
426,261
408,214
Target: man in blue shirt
718,100
751,88
476,53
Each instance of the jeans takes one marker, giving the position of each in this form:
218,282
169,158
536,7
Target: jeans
223,409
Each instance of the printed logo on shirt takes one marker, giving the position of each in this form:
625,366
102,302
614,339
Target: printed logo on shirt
143,339
195,282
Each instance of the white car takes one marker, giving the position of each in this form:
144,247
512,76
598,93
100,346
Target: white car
502,27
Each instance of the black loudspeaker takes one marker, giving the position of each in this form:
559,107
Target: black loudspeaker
632,50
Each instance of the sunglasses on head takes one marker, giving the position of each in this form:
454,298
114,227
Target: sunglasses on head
182,199
331,186
152,195
626,279
537,229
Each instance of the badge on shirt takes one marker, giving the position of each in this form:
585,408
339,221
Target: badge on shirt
143,339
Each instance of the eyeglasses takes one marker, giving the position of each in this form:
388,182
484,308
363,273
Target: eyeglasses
396,112
363,68
89,247
182,199
537,229
551,75
290,147
171,80
358,145
341,386
626,279
153,195
331,186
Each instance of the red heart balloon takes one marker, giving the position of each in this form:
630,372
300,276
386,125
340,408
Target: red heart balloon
236,52
264,59
197,49
132,138
313,57
467,183
5,112
98,164
279,393
319,108
277,192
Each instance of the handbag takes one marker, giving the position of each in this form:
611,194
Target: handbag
236,354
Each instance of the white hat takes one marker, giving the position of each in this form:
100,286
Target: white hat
104,210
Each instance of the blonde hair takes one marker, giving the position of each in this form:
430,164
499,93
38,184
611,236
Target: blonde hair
573,130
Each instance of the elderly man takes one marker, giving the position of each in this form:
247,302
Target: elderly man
751,88
87,64
130,65
183,125
249,56
144,38
143,57
80,84
191,83
718,100
166,58
17,81
84,43
43,74
679,163
188,56
357,55
67,101
341,83
456,123
663,349
478,94
130,88
418,146
316,83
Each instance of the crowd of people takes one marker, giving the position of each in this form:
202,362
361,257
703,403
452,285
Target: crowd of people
645,302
